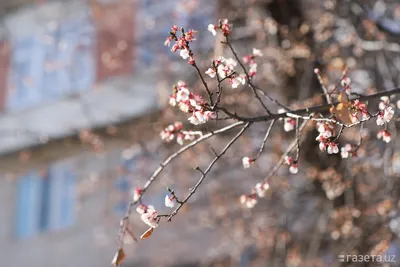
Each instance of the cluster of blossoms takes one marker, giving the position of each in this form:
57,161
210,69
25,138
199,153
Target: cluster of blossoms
223,26
250,60
358,111
225,68
181,43
150,217
189,102
250,200
148,213
384,135
326,133
345,82
292,164
385,115
176,130
384,102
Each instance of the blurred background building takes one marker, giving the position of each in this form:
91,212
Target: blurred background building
68,66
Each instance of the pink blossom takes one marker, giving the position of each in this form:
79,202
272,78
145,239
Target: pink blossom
261,189
253,69
191,61
141,209
293,168
190,135
322,146
288,160
212,28
289,124
332,148
184,106
380,119
179,139
175,47
223,71
293,164
174,29
246,161
384,102
236,81
345,81
184,53
150,217
385,116
172,100
225,27
182,95
247,59
137,192
388,114
211,72
361,112
248,201
210,115
181,84
323,127
230,63
168,134
324,135
220,60
181,43
257,53
193,120
169,201
384,135
345,151
197,118
168,41
189,35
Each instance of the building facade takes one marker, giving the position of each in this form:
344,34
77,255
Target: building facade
68,66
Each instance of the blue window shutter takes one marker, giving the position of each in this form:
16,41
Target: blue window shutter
56,180
27,60
62,196
45,204
28,209
68,199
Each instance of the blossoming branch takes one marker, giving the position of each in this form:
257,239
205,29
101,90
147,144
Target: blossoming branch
343,110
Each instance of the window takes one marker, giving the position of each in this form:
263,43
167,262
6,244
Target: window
46,202
52,63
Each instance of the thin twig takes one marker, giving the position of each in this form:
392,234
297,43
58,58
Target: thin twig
298,140
264,140
306,111
204,83
163,165
282,159
204,173
247,75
